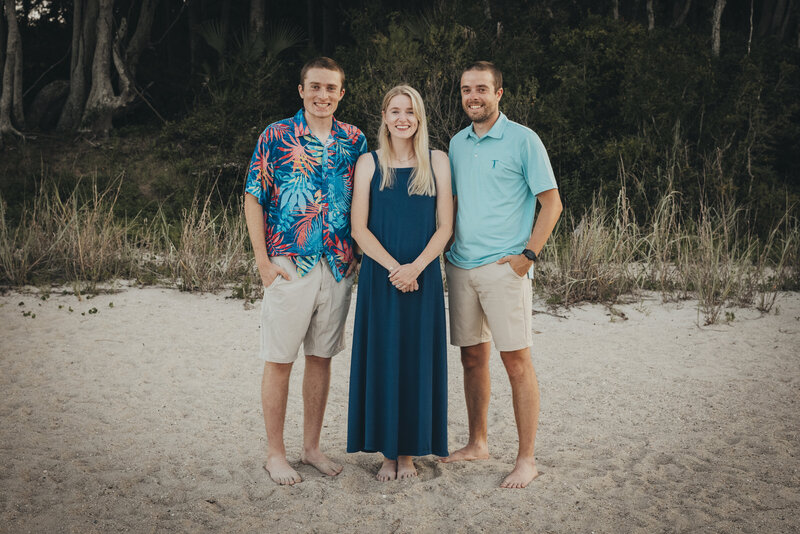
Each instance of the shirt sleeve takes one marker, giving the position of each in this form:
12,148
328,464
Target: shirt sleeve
361,144
258,174
536,165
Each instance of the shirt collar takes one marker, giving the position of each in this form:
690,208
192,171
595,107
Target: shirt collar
495,131
301,126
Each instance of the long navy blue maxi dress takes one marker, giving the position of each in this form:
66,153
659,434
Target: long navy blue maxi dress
398,370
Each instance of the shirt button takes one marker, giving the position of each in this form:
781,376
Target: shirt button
476,155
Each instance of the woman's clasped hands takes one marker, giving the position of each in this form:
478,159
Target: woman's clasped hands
404,277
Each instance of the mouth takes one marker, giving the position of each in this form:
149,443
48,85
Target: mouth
403,128
475,107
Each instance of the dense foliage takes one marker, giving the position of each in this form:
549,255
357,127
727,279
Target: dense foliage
616,104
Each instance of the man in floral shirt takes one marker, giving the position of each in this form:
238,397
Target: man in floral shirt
297,207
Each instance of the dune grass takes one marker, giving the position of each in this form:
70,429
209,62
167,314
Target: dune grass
600,256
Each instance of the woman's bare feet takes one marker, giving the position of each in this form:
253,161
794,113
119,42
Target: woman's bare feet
522,475
470,452
281,472
324,464
405,467
388,470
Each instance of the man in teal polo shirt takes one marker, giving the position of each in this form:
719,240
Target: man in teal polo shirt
500,168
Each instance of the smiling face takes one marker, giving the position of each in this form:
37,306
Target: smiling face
321,92
399,116
479,98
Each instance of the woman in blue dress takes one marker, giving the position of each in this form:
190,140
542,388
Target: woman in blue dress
402,218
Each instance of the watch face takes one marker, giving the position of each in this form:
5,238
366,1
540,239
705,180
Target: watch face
531,255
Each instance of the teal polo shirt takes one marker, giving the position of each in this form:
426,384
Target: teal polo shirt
496,179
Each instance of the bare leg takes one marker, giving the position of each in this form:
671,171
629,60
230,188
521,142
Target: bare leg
477,390
388,470
525,392
274,393
405,467
316,382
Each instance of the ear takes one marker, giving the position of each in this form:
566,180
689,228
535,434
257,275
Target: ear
499,94
342,93
300,90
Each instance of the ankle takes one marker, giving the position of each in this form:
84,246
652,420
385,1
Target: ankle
276,455
479,444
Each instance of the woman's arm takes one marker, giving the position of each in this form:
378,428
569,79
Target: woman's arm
409,272
359,215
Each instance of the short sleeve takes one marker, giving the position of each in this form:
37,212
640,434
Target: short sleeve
362,144
258,174
536,165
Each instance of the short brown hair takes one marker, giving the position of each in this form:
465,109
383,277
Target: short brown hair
320,62
488,66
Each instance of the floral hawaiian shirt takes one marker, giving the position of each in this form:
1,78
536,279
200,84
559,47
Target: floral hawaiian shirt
305,188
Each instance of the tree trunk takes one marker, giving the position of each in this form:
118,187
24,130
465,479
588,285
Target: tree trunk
2,37
719,5
777,16
328,29
83,45
257,11
651,17
786,19
11,97
103,103
681,19
615,10
141,37
224,23
767,8
194,37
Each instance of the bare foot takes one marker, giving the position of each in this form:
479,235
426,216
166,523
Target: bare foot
522,475
324,464
470,452
388,470
405,467
281,472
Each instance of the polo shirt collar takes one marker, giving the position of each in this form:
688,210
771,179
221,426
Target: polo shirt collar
495,131
301,126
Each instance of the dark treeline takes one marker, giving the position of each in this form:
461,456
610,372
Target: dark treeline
696,96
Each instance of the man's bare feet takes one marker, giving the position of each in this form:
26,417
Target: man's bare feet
470,452
522,475
281,472
388,470
324,464
405,467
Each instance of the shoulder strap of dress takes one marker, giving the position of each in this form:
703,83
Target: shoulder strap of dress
375,157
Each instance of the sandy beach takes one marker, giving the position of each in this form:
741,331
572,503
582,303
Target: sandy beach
139,411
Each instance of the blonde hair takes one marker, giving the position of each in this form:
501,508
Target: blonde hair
422,181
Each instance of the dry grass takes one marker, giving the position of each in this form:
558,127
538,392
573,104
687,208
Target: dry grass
597,257
716,259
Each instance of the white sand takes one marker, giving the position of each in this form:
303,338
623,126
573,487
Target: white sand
146,417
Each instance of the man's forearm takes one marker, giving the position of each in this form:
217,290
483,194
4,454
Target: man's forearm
546,220
254,216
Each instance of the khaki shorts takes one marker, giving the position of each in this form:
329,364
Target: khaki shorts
489,302
310,310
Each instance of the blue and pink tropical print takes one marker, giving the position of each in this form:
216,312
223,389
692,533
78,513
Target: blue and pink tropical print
305,188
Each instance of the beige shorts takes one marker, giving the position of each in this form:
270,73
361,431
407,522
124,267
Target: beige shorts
310,310
489,302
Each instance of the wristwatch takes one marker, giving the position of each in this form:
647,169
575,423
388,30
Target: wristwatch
531,255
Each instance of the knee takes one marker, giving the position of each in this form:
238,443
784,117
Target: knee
323,363
518,365
472,360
